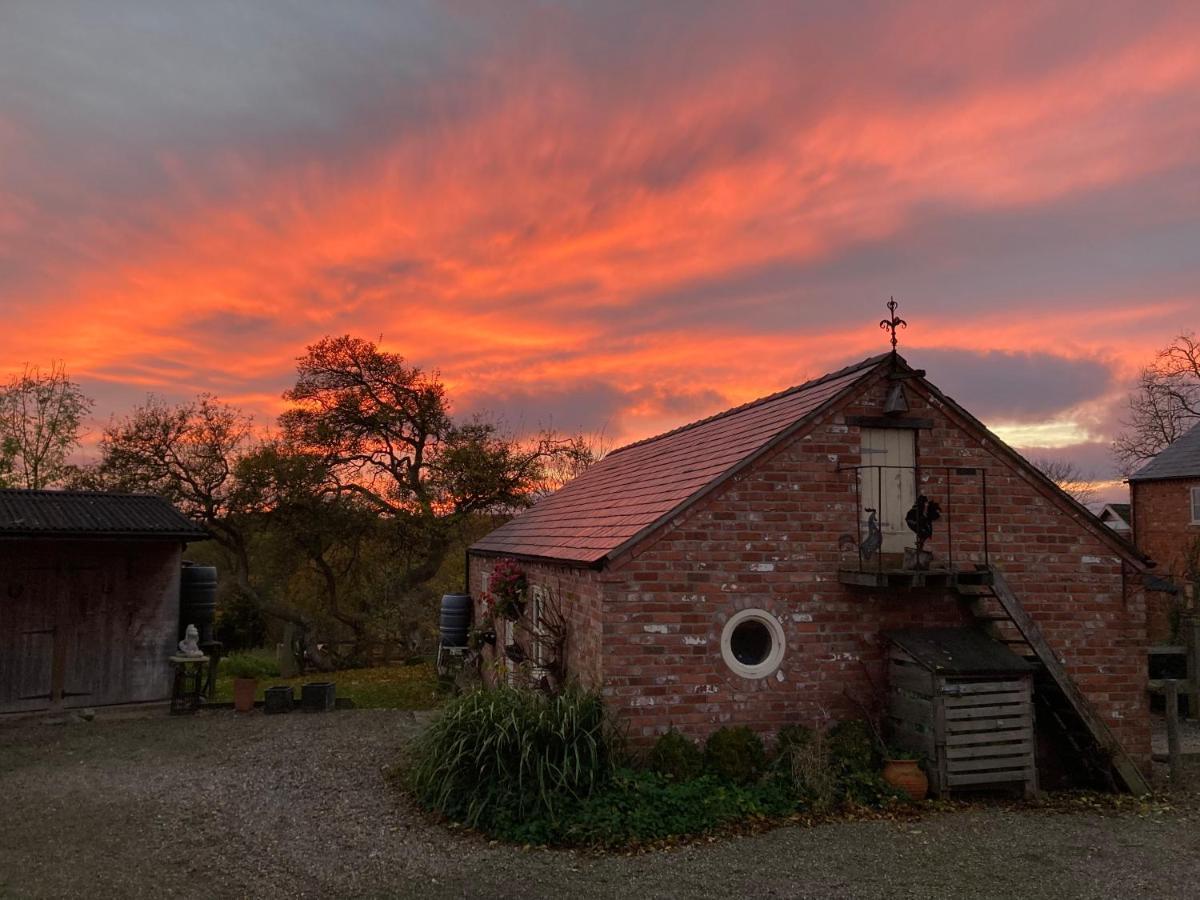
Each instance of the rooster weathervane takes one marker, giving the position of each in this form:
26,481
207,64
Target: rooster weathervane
894,322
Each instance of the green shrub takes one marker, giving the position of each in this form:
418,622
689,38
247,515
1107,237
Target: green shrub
637,807
852,747
247,665
676,757
735,754
854,757
497,759
239,623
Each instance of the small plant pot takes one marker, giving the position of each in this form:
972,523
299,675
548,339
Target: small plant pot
906,775
318,696
244,690
278,699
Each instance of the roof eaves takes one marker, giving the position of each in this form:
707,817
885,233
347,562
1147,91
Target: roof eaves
565,561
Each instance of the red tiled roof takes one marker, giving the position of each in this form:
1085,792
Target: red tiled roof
637,486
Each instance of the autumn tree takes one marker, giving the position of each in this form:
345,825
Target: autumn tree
1165,404
384,434
41,419
329,533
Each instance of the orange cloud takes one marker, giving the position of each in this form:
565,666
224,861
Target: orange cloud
715,235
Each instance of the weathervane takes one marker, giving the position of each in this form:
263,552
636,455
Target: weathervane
894,322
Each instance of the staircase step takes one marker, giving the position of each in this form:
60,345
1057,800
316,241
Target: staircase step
973,590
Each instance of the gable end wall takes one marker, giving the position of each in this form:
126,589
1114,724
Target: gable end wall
769,539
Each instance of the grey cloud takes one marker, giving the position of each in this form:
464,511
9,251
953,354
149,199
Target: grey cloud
593,407
590,407
1020,387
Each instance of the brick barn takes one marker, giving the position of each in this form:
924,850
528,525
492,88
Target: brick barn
89,598
744,569
1165,498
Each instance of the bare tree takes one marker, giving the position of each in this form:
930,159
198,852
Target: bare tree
190,453
41,417
1165,405
1069,477
571,457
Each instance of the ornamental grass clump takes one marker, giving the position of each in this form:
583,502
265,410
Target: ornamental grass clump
495,759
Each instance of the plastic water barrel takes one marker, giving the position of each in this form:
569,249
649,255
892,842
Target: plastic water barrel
197,599
455,619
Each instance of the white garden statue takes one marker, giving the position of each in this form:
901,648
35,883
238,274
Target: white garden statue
189,646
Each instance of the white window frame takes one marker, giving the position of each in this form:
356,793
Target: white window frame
537,601
774,657
1196,505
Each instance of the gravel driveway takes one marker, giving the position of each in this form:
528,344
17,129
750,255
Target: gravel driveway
296,806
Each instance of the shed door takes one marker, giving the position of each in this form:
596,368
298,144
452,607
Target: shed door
889,483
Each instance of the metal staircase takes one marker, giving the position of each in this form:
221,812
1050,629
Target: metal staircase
995,607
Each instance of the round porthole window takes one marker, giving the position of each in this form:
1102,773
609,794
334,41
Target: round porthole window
752,643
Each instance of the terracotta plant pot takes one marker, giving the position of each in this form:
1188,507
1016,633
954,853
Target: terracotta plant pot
243,693
906,775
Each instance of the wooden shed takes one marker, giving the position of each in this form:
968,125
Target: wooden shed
89,597
965,702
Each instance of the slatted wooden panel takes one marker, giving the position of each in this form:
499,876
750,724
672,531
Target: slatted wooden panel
989,733
973,733
910,704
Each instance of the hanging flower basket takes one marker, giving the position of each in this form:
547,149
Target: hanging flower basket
508,586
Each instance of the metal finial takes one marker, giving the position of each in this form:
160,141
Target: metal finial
894,322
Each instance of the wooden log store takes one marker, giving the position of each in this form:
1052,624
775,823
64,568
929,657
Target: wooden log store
965,703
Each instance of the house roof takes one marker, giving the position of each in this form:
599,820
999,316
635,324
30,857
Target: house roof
1180,459
1119,511
640,487
959,651
637,487
92,514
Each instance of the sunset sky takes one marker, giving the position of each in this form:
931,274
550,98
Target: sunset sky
609,216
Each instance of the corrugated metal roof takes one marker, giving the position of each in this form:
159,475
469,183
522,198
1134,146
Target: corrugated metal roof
637,486
959,651
92,514
1178,460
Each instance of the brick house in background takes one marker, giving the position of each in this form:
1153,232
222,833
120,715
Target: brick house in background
744,569
1165,496
1116,516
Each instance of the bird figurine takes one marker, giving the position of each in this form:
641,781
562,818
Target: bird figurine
921,517
874,539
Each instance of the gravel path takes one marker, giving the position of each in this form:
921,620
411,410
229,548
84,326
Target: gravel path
296,806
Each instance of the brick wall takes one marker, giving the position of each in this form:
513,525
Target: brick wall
770,539
649,627
578,592
1163,530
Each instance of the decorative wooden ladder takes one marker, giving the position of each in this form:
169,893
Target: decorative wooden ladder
994,605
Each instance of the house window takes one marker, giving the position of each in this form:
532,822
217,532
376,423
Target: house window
537,637
1196,506
752,643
